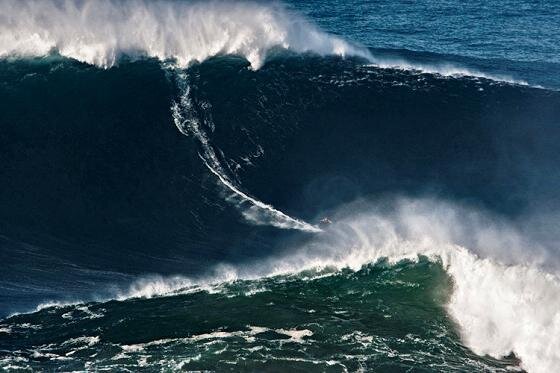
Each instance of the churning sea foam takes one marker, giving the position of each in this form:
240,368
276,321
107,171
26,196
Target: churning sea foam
502,300
101,31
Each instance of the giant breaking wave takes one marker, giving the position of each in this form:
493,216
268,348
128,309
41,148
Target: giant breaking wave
506,286
101,32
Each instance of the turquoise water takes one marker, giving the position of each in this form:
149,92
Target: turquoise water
387,317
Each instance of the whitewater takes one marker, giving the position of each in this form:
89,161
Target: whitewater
103,32
500,308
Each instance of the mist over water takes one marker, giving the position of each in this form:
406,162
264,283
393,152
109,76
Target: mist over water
103,32
168,165
100,32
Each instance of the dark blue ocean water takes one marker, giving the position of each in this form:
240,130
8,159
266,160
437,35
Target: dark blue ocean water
515,38
502,30
159,217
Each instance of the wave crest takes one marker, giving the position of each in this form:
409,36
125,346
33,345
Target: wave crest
503,299
502,302
100,32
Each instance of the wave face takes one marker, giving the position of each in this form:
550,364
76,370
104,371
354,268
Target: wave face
157,213
171,171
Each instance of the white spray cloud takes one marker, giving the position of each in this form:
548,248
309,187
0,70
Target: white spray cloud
500,308
99,32
502,300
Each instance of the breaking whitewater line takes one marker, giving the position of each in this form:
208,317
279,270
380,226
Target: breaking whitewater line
499,308
100,32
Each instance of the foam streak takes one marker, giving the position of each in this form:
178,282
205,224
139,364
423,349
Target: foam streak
190,121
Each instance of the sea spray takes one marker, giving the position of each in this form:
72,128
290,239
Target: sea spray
101,32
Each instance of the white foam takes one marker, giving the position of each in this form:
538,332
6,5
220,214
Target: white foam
261,213
444,69
89,314
249,335
296,335
85,341
503,309
40,355
133,348
148,287
358,337
29,326
502,299
100,32
50,304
